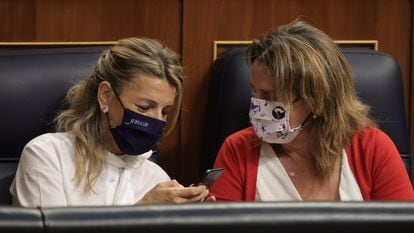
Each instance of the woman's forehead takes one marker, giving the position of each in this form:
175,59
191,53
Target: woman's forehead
262,80
150,87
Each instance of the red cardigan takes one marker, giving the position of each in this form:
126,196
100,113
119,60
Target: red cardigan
372,157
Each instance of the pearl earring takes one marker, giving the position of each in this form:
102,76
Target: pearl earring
104,109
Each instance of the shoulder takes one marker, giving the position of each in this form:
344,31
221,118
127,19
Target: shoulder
378,167
241,146
48,146
52,139
369,132
371,137
372,146
245,138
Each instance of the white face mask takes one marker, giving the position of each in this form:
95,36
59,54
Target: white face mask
271,121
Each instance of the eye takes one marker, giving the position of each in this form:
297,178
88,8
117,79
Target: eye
142,108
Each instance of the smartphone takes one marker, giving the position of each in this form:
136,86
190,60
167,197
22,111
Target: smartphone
209,177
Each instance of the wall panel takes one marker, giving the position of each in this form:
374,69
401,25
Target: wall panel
18,20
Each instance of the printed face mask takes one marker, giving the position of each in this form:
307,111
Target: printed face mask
271,121
137,133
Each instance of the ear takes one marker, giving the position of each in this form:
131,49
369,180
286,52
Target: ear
104,95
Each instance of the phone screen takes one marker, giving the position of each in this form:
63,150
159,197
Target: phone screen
209,177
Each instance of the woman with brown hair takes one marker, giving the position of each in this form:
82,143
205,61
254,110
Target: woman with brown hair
311,138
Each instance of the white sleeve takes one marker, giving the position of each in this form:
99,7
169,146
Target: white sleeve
38,180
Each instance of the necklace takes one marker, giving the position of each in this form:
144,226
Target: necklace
291,174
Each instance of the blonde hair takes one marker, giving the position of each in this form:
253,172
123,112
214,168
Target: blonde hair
304,62
117,65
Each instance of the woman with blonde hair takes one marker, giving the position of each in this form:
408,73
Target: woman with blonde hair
311,138
99,156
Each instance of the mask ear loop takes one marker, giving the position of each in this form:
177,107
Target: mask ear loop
106,109
119,99
307,118
301,125
304,122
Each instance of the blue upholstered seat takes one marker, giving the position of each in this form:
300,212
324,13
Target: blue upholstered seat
33,84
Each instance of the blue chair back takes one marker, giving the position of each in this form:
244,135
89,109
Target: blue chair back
33,84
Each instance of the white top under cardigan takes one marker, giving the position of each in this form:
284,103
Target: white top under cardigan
45,176
274,184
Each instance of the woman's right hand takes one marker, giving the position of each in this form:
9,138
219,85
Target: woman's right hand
173,192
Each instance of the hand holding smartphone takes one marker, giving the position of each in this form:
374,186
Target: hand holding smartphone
209,177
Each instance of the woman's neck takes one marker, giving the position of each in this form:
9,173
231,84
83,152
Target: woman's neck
301,145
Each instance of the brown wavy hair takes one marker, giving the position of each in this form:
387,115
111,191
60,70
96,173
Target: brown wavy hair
305,62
